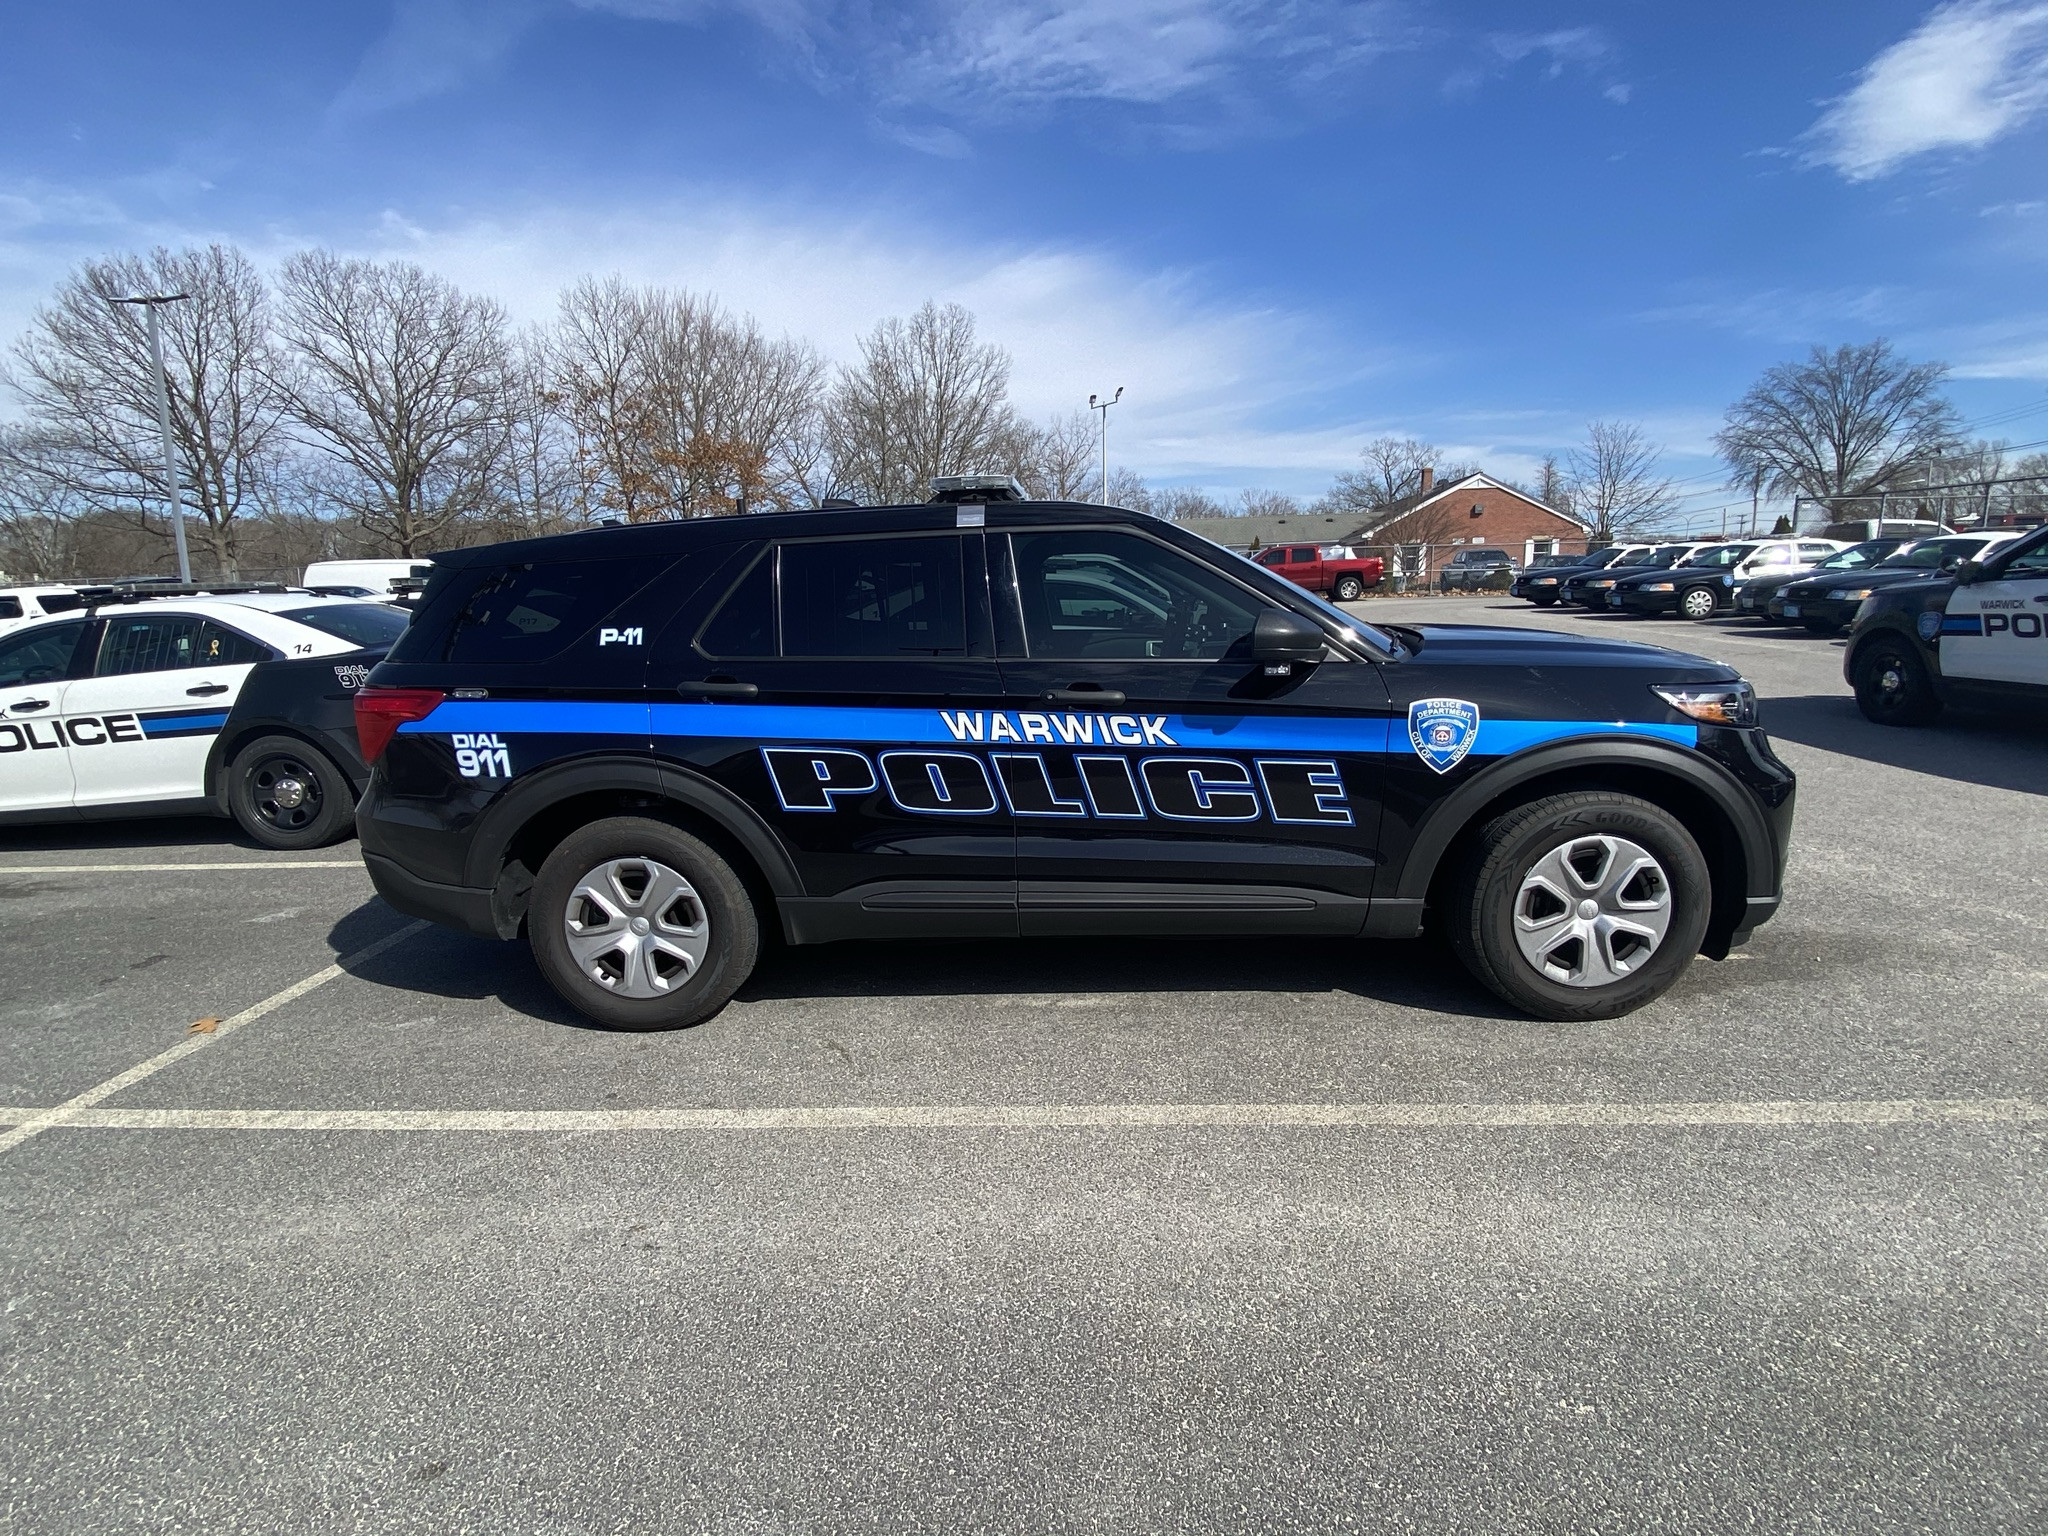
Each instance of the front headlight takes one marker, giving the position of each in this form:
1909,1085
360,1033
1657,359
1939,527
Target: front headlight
1542,581
1712,703
1661,586
1607,583
1848,594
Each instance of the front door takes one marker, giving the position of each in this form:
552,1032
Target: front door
1996,631
35,753
158,695
819,688
1160,778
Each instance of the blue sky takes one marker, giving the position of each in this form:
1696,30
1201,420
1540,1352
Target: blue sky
1284,228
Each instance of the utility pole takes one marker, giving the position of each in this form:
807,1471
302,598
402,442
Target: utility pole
1096,403
149,303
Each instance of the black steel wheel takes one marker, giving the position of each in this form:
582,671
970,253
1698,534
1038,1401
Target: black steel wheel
1893,686
287,794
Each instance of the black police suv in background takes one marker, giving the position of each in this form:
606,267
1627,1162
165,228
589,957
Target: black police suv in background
1752,597
637,746
1827,604
1471,570
1546,575
1976,637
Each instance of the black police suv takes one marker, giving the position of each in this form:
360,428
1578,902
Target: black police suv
639,746
297,769
1976,637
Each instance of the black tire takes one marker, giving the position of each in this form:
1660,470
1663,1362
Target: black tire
1544,602
714,895
1893,686
286,794
1349,589
1491,876
1697,603
1821,627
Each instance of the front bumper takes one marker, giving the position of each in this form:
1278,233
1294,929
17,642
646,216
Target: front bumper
1630,600
1813,610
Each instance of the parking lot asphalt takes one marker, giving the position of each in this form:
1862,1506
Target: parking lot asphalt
1047,1236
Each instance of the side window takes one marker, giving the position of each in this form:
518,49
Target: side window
2028,564
874,597
1101,595
164,642
10,607
220,646
1273,557
1815,551
1301,556
529,613
40,655
744,625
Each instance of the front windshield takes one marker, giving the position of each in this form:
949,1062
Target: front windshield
364,624
1931,555
1854,558
1662,560
1721,556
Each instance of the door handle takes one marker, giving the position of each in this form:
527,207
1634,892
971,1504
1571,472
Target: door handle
1085,693
720,688
27,706
2043,598
205,690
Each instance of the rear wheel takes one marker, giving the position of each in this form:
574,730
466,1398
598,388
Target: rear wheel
639,925
1697,603
1893,686
285,794
1581,906
1349,589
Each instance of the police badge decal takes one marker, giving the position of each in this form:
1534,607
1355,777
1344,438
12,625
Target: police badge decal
1442,731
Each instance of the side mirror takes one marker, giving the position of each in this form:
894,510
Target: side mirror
1280,639
1969,571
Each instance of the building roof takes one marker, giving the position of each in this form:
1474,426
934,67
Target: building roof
1394,511
1296,528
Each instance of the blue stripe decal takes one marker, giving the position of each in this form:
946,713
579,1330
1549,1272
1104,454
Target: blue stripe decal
165,725
1962,624
927,727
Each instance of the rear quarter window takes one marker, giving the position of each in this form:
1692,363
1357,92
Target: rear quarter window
529,613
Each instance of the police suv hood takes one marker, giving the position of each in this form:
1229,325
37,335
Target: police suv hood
1478,645
1873,577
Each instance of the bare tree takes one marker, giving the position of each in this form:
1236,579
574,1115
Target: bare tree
1842,423
1615,486
401,380
39,505
84,372
537,482
1256,503
1057,461
1553,486
602,363
926,399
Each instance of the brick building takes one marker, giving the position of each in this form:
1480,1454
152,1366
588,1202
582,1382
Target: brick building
1424,530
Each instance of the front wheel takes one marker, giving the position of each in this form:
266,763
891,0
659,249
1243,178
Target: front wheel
1893,686
1349,589
1544,602
640,926
1697,604
1581,906
285,794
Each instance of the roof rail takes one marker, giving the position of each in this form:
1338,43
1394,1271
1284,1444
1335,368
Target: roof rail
139,591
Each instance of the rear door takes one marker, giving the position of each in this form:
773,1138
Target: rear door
1996,631
819,688
159,692
1159,777
35,751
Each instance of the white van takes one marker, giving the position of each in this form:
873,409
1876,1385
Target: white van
357,578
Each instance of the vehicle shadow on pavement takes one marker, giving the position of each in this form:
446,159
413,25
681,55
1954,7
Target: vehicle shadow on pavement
146,832
1996,752
1423,974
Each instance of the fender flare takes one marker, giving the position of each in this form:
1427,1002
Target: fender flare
532,796
1451,815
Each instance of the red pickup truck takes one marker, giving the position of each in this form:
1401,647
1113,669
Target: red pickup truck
1330,569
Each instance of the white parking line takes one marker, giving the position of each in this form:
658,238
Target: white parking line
1783,1112
62,1114
93,869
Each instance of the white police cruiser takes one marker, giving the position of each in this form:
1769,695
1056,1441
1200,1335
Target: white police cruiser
1976,637
117,709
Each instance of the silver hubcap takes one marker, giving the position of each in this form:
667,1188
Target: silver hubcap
1699,604
288,793
1592,911
636,928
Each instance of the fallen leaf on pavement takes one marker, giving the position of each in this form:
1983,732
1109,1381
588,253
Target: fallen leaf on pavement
202,1027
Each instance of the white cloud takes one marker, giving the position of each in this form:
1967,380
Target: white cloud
1971,73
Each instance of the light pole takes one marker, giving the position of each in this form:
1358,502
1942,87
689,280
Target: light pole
149,303
1097,403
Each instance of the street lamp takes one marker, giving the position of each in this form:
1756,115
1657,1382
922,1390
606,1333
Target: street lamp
1096,403
150,303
